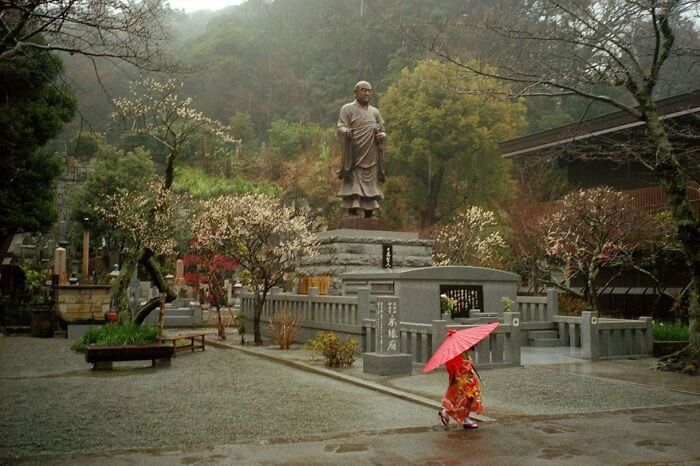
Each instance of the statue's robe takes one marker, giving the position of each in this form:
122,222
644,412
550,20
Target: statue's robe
363,157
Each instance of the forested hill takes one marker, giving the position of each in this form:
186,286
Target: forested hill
298,59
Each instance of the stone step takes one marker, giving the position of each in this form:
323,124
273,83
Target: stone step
545,342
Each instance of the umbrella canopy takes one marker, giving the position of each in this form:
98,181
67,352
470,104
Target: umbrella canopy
457,342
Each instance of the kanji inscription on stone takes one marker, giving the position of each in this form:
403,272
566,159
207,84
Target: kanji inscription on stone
388,337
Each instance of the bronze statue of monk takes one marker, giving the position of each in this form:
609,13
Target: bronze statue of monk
362,136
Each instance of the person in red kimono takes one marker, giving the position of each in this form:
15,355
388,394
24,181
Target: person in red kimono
463,395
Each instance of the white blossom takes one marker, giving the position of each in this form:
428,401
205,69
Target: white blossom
146,216
468,240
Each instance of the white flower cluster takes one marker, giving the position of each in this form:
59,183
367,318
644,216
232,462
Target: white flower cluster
145,216
264,236
155,109
469,240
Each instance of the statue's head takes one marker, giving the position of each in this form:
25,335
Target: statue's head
363,92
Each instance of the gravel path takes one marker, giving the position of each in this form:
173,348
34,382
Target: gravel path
51,402
533,390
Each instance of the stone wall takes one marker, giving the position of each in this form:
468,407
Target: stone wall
347,250
82,303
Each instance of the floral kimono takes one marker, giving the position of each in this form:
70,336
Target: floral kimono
463,394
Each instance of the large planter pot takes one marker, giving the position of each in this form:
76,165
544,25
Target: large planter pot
42,321
663,348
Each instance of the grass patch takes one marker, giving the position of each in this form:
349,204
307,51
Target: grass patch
670,331
116,335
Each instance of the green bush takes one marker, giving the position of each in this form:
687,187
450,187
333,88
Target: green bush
338,353
116,335
670,331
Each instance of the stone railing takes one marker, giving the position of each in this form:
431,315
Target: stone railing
590,337
341,314
538,308
500,349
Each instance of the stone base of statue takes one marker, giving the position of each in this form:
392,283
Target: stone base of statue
354,222
387,363
348,250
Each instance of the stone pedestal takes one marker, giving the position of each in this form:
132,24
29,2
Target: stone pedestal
387,363
348,250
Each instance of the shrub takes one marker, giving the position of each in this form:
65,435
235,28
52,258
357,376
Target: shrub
116,335
285,326
338,353
239,324
570,305
670,331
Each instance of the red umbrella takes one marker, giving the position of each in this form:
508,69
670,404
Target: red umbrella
457,342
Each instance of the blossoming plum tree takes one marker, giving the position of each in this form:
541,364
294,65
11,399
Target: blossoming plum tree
146,218
265,238
470,240
154,109
590,229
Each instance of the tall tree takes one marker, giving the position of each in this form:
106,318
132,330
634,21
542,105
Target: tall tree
444,140
155,110
33,108
128,31
610,51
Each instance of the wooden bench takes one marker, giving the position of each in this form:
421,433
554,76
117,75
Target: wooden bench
192,336
102,356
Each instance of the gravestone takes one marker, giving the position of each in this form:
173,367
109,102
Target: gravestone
387,358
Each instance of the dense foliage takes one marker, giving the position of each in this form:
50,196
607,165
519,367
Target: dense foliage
34,104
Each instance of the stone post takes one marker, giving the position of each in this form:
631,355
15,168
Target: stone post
513,319
179,274
362,304
59,264
387,359
552,304
648,340
589,335
86,254
438,335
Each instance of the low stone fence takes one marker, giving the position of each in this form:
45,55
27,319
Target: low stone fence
500,349
341,314
538,308
352,316
590,337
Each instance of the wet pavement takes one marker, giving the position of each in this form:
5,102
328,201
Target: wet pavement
554,410
633,437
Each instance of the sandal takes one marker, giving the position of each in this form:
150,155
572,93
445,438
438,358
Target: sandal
469,424
443,418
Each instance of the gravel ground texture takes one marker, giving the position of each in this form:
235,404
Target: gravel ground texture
535,390
52,402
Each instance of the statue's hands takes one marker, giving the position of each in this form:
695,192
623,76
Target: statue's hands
348,133
380,137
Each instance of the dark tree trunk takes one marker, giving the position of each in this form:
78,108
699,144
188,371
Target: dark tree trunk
258,304
674,184
153,269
